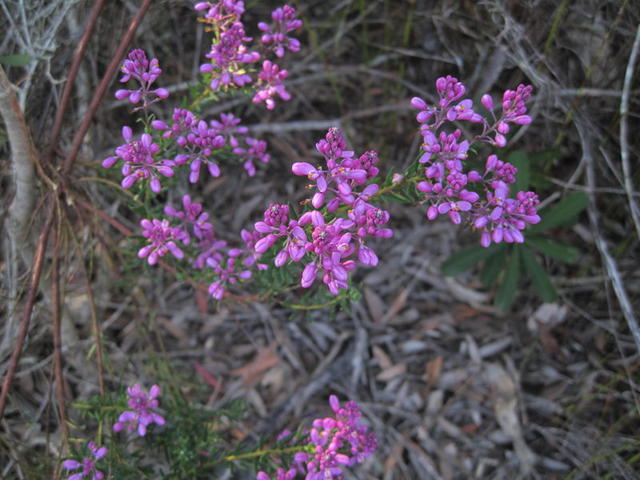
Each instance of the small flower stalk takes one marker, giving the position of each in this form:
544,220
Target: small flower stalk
145,72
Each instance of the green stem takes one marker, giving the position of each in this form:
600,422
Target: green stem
260,453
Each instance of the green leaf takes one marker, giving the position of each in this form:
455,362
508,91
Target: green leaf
539,277
466,258
553,249
521,161
495,264
18,60
562,213
507,291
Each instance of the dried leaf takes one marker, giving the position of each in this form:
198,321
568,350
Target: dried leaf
398,304
264,360
433,368
392,372
383,359
207,377
375,305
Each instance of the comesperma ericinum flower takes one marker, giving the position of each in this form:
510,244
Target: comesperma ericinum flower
334,443
139,162
275,35
449,184
88,464
141,414
145,72
163,238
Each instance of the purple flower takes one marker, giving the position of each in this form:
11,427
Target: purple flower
275,35
138,67
464,111
163,239
338,441
333,443
228,57
222,11
504,218
139,162
330,245
140,416
197,142
192,215
229,126
88,464
500,170
255,150
449,89
226,273
277,225
270,85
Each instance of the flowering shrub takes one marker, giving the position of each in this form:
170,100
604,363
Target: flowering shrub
498,217
88,464
332,444
325,238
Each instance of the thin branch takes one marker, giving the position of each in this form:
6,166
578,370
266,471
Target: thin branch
97,332
23,154
103,86
73,72
608,260
36,273
624,132
57,321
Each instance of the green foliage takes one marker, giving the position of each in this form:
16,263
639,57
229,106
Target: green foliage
467,257
563,214
193,444
505,264
17,60
507,290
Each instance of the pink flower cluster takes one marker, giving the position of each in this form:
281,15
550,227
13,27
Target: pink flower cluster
138,67
139,162
198,142
230,58
141,414
335,442
276,35
162,239
452,189
327,243
225,265
88,464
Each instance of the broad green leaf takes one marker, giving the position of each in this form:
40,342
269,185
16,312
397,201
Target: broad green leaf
561,213
539,277
507,291
553,249
495,264
18,60
466,258
521,161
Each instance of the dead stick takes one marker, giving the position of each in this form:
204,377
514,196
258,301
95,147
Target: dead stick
96,331
102,88
57,343
71,77
36,272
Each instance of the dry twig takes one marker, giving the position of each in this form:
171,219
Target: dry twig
624,131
